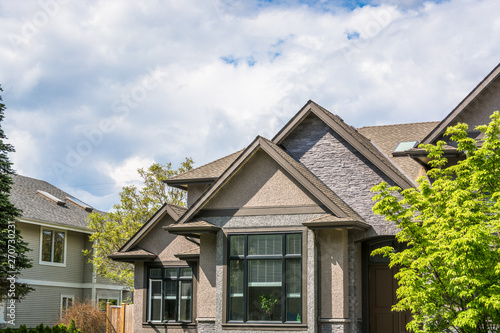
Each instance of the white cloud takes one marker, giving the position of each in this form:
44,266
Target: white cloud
405,61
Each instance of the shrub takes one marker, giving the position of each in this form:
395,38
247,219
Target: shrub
86,316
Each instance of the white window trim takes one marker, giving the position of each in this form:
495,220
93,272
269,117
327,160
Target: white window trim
49,263
99,297
62,302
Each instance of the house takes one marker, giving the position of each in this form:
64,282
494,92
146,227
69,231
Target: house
53,223
277,237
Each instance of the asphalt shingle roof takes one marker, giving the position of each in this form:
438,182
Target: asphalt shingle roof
36,207
387,138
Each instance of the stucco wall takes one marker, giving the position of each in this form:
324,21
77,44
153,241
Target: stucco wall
333,258
207,277
194,192
342,168
260,182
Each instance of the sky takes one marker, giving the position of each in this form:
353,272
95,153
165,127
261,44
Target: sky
97,89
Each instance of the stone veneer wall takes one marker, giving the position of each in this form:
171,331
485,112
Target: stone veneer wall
342,168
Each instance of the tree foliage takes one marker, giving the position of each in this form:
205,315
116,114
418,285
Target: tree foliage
449,274
136,206
13,249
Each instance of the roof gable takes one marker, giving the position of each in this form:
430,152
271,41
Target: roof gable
351,136
296,170
167,209
485,88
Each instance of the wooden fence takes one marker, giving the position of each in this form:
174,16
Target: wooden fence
119,318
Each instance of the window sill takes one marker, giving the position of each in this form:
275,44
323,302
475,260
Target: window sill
49,263
265,326
157,323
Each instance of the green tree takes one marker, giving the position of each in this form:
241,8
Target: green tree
13,249
136,206
449,273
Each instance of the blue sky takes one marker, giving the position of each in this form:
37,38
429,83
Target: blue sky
97,89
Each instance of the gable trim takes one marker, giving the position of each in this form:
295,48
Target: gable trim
139,235
382,162
255,211
468,100
265,145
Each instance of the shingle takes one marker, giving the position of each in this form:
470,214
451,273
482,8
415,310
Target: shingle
210,170
35,207
387,138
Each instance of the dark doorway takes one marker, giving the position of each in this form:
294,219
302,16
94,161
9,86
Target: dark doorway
380,293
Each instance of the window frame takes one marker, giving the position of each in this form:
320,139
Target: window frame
62,309
179,278
246,257
65,247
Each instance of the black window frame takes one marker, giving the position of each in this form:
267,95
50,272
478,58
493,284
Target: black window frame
163,278
246,257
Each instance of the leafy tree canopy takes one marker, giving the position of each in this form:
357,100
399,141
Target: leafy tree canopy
13,249
449,273
136,206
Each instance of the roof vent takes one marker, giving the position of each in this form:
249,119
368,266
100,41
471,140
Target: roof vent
51,197
404,146
79,203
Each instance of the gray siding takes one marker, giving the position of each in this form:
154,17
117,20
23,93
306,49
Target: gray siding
43,305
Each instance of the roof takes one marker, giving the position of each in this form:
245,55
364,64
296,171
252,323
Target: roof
301,174
387,137
206,173
173,211
330,221
352,136
35,207
480,88
196,228
131,256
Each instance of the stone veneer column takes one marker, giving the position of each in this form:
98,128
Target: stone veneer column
206,303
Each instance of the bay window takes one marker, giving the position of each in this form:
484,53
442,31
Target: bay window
170,294
265,278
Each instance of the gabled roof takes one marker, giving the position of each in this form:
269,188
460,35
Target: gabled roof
387,137
131,256
38,208
303,176
174,211
352,136
207,173
480,88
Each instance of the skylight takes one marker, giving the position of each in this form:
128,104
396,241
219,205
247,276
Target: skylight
51,197
404,146
79,203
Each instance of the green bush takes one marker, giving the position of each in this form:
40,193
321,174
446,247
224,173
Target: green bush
61,328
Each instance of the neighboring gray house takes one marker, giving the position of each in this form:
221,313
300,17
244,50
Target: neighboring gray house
53,223
277,237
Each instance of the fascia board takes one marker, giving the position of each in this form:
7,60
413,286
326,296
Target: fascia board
482,86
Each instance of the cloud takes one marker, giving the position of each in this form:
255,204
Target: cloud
95,89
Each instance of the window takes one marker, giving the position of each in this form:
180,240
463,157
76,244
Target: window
103,303
66,303
265,278
53,243
170,295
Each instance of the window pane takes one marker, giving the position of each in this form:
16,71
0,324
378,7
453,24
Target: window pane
293,244
237,245
264,290
186,272
185,300
236,287
155,297
155,273
171,273
59,247
264,245
293,290
47,245
170,294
